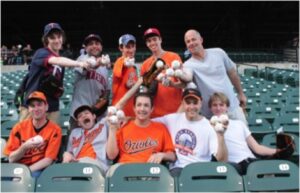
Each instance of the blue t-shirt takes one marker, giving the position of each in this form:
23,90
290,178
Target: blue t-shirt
38,71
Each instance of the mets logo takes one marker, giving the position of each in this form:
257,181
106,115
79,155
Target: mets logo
185,141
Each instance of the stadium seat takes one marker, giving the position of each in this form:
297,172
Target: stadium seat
141,177
6,128
16,178
209,177
71,177
289,122
272,175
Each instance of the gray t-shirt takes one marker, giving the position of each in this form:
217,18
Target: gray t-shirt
210,76
89,85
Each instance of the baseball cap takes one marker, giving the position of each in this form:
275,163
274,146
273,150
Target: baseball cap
82,108
191,92
51,26
151,32
126,38
36,95
92,37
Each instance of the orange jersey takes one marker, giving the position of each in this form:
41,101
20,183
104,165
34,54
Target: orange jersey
25,130
136,144
121,74
167,99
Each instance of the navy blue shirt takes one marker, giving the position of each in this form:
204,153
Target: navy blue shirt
38,71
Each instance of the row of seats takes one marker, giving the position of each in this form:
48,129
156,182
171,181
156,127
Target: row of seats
264,175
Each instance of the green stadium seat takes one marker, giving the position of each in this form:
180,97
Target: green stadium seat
6,128
141,177
272,175
289,122
209,177
71,177
16,178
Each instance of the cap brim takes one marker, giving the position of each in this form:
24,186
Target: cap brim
90,39
39,99
192,96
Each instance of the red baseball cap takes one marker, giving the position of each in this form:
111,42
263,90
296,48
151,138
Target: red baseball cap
36,95
151,32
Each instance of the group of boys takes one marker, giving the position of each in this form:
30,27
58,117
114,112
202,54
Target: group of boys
156,132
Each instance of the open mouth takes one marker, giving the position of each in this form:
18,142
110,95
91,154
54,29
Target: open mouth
87,120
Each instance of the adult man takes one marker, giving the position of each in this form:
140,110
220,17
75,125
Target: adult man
124,72
165,95
46,71
213,71
87,142
192,134
91,86
34,141
140,139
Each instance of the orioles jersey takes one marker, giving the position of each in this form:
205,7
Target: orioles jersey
121,74
90,143
167,99
22,131
136,144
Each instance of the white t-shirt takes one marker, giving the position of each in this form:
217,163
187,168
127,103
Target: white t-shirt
194,141
235,139
210,76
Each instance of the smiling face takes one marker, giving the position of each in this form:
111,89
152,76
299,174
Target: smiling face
55,41
94,48
86,119
154,43
38,109
192,107
128,50
143,108
193,42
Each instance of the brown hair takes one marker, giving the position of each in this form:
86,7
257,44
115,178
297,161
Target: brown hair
218,96
143,94
55,31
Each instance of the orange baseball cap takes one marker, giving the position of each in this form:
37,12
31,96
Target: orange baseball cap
37,95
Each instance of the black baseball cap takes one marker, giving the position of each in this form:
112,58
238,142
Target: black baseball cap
191,92
91,37
82,108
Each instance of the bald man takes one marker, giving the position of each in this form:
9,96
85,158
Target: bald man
214,71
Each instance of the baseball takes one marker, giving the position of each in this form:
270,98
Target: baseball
191,85
214,120
120,114
113,119
159,64
112,110
37,139
129,62
219,127
175,64
178,73
92,61
160,76
223,119
170,72
105,59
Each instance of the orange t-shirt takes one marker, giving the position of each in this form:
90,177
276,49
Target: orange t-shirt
24,130
121,74
167,99
136,144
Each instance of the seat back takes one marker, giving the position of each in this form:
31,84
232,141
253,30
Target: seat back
6,128
272,175
141,177
16,178
71,177
209,177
